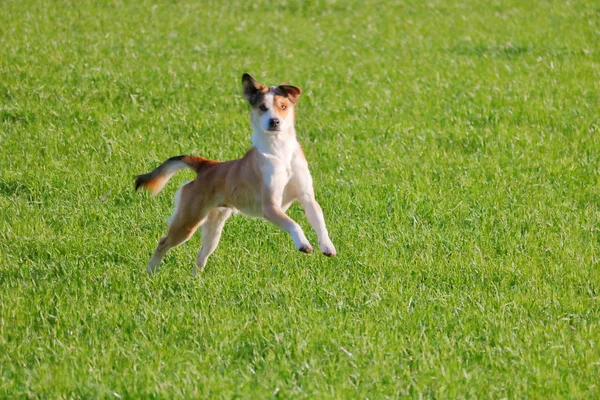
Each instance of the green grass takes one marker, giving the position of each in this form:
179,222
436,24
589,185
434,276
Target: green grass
455,151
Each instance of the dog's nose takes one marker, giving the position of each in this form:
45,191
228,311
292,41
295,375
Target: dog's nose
274,122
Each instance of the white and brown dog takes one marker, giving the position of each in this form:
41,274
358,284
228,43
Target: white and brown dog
263,183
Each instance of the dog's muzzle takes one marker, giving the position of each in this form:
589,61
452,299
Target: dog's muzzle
274,124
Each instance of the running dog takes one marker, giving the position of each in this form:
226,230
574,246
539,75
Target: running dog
263,183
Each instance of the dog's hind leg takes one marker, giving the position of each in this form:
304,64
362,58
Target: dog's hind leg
211,234
182,225
179,232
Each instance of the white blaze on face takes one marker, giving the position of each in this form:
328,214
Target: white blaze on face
270,113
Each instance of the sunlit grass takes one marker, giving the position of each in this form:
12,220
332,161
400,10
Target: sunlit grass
455,153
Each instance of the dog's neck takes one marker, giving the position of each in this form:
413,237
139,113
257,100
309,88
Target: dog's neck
282,144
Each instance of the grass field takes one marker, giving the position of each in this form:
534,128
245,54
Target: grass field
455,151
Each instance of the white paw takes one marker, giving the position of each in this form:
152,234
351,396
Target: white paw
197,270
328,249
151,268
305,248
301,242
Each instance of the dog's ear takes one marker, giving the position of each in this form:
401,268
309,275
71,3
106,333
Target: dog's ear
292,92
251,88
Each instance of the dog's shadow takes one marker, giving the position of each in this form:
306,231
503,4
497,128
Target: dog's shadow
17,189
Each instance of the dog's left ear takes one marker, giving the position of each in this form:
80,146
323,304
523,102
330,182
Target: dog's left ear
292,92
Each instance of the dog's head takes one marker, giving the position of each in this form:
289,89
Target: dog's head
272,107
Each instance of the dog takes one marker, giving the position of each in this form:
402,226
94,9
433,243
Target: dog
263,183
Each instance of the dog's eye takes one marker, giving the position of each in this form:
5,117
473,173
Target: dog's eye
262,107
283,106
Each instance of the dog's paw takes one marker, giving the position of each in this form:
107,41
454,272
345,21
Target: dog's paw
328,249
151,270
305,248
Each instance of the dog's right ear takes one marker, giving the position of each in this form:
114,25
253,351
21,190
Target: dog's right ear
252,89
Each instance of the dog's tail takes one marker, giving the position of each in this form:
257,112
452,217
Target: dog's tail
154,181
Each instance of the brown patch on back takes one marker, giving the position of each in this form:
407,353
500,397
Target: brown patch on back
198,163
155,180
234,183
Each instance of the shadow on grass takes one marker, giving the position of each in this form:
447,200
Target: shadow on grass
506,50
16,189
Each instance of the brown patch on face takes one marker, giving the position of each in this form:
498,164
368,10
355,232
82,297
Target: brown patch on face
283,106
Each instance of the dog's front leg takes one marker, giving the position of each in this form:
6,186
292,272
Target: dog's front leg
273,213
301,188
275,177
314,214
